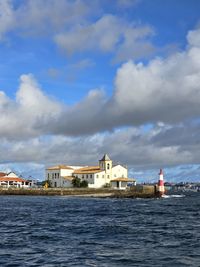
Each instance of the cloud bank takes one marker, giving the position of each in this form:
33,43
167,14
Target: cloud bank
165,90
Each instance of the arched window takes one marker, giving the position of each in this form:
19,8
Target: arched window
108,166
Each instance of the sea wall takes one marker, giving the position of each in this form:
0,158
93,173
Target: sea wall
54,191
145,189
138,191
133,192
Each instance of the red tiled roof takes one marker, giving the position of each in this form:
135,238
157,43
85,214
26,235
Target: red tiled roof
2,174
90,169
12,179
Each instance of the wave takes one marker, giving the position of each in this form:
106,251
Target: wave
172,196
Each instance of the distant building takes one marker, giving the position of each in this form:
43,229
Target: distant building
96,176
12,180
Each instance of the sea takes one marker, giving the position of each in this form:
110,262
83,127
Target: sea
104,232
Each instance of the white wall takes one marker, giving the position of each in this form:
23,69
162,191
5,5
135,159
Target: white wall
95,180
55,176
66,172
99,180
119,171
66,183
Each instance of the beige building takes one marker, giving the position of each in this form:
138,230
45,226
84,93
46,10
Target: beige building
96,176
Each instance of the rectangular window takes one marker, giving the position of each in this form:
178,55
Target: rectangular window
90,175
108,176
97,176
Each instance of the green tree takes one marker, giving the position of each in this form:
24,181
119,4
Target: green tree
76,182
84,183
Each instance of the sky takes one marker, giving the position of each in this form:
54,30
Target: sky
81,78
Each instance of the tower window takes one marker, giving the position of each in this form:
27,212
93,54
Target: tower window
108,166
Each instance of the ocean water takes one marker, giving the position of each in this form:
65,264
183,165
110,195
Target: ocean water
80,231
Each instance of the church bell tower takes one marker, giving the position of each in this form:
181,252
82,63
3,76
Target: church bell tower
105,164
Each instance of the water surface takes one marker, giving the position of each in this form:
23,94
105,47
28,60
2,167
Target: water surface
75,231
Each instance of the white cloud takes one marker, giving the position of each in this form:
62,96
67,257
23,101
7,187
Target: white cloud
7,18
74,28
40,16
164,90
108,34
31,99
193,38
36,17
102,35
19,119
136,43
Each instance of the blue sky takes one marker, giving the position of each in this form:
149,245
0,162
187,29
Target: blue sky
79,79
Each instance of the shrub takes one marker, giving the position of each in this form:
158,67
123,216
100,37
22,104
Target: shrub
76,182
84,183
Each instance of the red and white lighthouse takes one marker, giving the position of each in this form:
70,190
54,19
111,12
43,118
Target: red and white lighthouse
161,188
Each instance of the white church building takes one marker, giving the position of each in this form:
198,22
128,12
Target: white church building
106,173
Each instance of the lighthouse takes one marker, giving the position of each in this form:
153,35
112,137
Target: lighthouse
161,188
